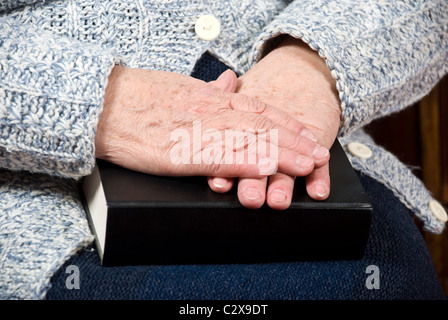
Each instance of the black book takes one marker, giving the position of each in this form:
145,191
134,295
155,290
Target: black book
144,219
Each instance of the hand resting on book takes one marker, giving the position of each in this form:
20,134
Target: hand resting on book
295,79
143,108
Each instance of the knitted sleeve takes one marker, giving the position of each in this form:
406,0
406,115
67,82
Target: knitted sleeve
51,94
385,55
8,5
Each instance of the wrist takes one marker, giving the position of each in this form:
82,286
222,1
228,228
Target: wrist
101,137
297,49
294,51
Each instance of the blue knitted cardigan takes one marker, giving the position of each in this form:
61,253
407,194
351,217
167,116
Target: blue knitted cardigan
56,56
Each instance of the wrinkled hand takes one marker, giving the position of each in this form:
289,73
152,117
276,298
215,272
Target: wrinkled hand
149,119
296,80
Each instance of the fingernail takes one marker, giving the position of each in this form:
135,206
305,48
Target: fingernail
278,195
304,162
219,182
308,134
320,152
321,190
251,193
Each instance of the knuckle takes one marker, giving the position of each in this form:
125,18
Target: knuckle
292,124
257,106
297,143
262,123
246,103
303,145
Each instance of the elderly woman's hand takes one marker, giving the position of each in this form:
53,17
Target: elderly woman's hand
295,79
170,124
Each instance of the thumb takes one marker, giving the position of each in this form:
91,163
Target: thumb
227,81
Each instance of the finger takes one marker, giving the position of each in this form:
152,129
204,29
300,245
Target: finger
224,148
245,103
318,183
216,157
220,184
227,81
239,124
279,193
285,160
252,192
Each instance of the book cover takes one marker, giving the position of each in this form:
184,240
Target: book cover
139,218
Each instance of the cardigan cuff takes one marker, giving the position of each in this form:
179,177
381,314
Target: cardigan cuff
382,57
51,96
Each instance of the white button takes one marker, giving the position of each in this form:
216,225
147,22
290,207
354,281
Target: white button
438,211
207,27
359,150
